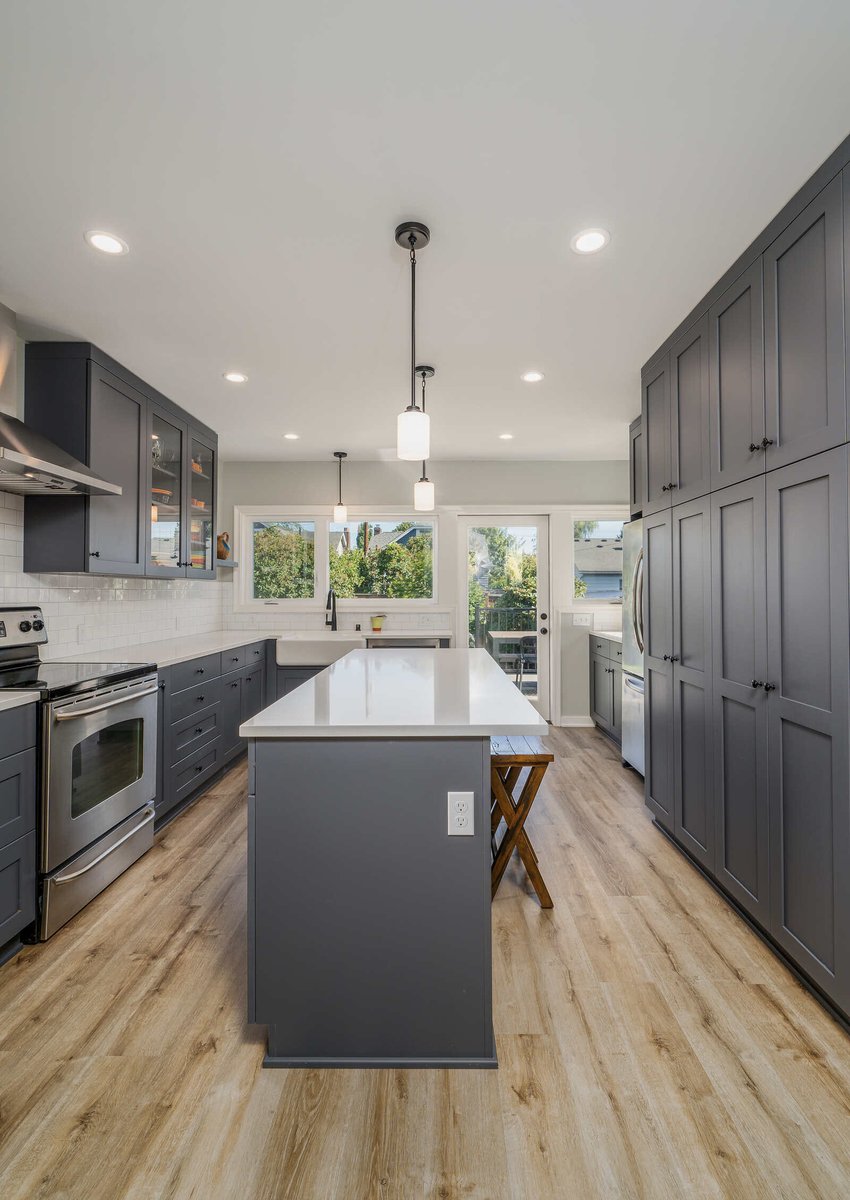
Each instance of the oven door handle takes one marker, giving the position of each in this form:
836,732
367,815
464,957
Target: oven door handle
95,708
149,816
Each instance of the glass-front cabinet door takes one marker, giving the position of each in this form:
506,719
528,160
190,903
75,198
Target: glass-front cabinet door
166,500
200,548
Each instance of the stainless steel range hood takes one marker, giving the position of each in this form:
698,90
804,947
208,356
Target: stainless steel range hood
32,464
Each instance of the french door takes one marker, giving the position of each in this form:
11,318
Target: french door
505,573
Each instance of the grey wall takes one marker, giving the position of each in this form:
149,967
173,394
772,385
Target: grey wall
457,483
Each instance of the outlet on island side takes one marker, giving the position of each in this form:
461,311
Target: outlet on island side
461,814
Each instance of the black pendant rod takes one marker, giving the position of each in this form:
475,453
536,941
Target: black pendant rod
340,455
412,241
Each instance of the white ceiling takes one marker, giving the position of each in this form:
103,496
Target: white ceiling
256,156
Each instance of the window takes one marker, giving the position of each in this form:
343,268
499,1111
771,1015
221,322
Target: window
382,560
598,560
284,560
289,558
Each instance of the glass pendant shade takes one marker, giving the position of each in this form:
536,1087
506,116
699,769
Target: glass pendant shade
423,496
340,514
414,435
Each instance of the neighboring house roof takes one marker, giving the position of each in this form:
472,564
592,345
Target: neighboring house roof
386,538
598,556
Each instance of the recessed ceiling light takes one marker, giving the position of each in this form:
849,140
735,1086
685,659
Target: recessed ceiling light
235,377
506,437
107,243
532,376
590,240
292,437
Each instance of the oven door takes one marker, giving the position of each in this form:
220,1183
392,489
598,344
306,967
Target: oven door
100,765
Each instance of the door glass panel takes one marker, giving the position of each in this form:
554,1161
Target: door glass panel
166,492
201,484
105,763
502,591
598,560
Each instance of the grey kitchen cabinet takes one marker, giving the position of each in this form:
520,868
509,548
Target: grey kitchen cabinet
101,420
739,701
658,667
690,472
253,691
693,792
637,468
808,655
231,714
736,380
804,353
601,697
655,435
289,678
163,523
17,822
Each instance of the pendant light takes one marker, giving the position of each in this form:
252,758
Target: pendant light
340,511
423,489
413,435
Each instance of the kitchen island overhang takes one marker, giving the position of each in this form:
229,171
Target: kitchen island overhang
369,924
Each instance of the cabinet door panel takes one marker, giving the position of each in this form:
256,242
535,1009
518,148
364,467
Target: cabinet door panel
658,668
199,546
655,416
165,500
691,597
809,663
231,712
117,424
637,466
689,423
601,709
804,333
616,678
736,380
739,710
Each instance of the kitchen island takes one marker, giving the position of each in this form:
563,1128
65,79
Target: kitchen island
368,921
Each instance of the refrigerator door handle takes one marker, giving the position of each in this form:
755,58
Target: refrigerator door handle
637,601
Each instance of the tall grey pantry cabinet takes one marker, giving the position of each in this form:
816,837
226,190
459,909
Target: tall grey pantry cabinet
747,605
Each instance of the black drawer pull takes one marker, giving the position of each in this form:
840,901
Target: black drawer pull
765,442
257,653
753,447
199,670
235,658
200,729
235,684
199,767
769,687
199,699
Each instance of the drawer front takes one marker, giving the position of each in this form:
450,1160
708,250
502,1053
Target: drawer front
17,730
616,651
233,660
255,654
600,645
17,796
193,732
17,886
195,771
201,695
196,670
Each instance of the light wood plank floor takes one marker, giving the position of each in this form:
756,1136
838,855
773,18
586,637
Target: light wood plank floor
649,1045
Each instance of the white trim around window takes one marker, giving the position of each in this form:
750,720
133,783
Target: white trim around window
322,519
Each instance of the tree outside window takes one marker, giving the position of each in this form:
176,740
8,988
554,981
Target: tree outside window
382,560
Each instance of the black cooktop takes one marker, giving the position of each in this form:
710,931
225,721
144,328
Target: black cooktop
57,679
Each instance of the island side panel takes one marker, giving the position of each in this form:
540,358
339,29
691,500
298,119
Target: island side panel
370,924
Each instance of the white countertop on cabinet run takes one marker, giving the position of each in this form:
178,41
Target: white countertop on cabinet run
401,694
168,651
16,699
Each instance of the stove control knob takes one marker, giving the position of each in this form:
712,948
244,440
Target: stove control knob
38,626
25,626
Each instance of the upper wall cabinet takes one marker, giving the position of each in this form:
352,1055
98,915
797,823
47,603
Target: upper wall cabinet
736,381
689,424
163,522
676,422
805,408
655,406
637,466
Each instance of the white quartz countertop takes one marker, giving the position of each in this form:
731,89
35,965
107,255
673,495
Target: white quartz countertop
401,694
168,651
613,635
16,699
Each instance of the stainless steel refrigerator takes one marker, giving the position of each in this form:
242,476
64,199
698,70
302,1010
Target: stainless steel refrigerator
632,748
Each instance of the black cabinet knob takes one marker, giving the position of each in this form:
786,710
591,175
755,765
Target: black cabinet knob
94,554
757,683
199,670
769,687
765,442
199,700
200,729
233,685
199,767
664,487
665,657
674,658
670,486
754,446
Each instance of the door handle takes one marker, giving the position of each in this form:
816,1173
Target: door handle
544,630
149,816
86,712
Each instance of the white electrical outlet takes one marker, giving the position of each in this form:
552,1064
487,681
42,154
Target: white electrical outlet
583,619
461,814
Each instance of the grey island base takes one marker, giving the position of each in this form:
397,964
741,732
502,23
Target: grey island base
369,924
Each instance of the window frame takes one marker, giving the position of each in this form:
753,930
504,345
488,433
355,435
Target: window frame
590,513
322,517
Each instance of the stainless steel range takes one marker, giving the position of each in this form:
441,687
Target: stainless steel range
97,765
